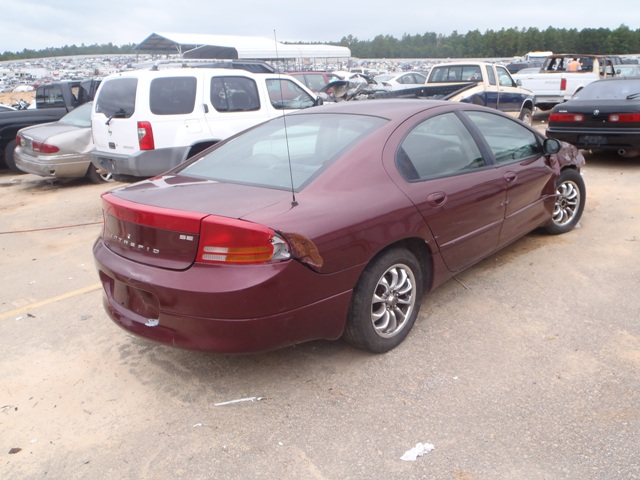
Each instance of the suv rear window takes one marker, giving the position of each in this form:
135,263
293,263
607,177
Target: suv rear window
172,95
117,97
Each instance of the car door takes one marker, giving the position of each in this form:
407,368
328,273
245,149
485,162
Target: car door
518,157
235,103
510,97
459,196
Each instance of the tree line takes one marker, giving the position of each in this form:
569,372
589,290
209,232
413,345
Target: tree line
503,43
507,42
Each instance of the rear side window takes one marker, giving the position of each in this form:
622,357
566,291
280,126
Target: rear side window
172,95
117,97
440,146
234,94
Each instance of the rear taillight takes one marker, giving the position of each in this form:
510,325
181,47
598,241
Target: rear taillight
145,136
19,140
231,241
563,84
625,117
566,117
44,147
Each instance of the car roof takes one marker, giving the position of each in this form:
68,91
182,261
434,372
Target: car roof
393,109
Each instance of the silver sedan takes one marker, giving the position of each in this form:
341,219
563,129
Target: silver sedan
60,149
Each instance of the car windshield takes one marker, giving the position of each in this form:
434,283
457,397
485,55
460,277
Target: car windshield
79,116
284,154
609,90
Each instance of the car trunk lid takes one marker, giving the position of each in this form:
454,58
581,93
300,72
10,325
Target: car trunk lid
158,222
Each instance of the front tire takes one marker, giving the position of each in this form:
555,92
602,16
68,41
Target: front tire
571,195
526,116
385,302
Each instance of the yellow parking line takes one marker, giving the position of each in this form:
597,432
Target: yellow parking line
64,296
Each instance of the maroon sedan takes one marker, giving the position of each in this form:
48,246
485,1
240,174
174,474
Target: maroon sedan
331,222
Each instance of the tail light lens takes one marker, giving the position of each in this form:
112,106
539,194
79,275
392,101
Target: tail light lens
625,117
145,136
44,147
566,117
563,84
19,140
231,241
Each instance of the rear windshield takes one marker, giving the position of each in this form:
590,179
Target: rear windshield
79,116
610,90
172,95
284,155
117,97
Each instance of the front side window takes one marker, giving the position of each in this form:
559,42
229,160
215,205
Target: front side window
234,94
505,78
117,97
285,94
172,95
440,146
508,140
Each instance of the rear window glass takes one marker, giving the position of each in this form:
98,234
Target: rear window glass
279,155
172,95
50,95
117,97
234,94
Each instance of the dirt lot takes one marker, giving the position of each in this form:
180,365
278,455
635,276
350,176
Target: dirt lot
526,367
9,98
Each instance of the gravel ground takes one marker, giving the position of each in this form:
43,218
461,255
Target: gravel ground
527,366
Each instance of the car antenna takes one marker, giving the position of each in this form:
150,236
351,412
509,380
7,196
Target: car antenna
294,202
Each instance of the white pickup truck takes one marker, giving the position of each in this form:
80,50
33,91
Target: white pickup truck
562,75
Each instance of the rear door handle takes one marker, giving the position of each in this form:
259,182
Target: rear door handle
437,199
510,176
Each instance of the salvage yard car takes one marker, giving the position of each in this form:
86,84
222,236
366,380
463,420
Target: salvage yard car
60,149
563,75
487,84
145,122
330,224
603,115
396,81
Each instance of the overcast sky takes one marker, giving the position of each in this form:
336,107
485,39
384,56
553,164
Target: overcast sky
55,23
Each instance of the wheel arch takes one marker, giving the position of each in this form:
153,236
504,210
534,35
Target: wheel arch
422,251
199,147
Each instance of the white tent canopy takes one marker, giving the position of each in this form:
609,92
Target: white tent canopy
236,47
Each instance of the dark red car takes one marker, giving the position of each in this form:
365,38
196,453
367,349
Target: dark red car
330,222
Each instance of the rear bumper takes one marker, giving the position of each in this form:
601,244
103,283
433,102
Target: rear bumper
63,166
592,138
223,309
549,99
144,163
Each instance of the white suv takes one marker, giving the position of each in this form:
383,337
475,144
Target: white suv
146,122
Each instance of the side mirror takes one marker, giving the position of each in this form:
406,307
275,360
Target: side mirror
519,82
319,101
551,145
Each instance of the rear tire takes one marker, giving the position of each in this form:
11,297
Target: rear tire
9,159
385,302
95,177
571,195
